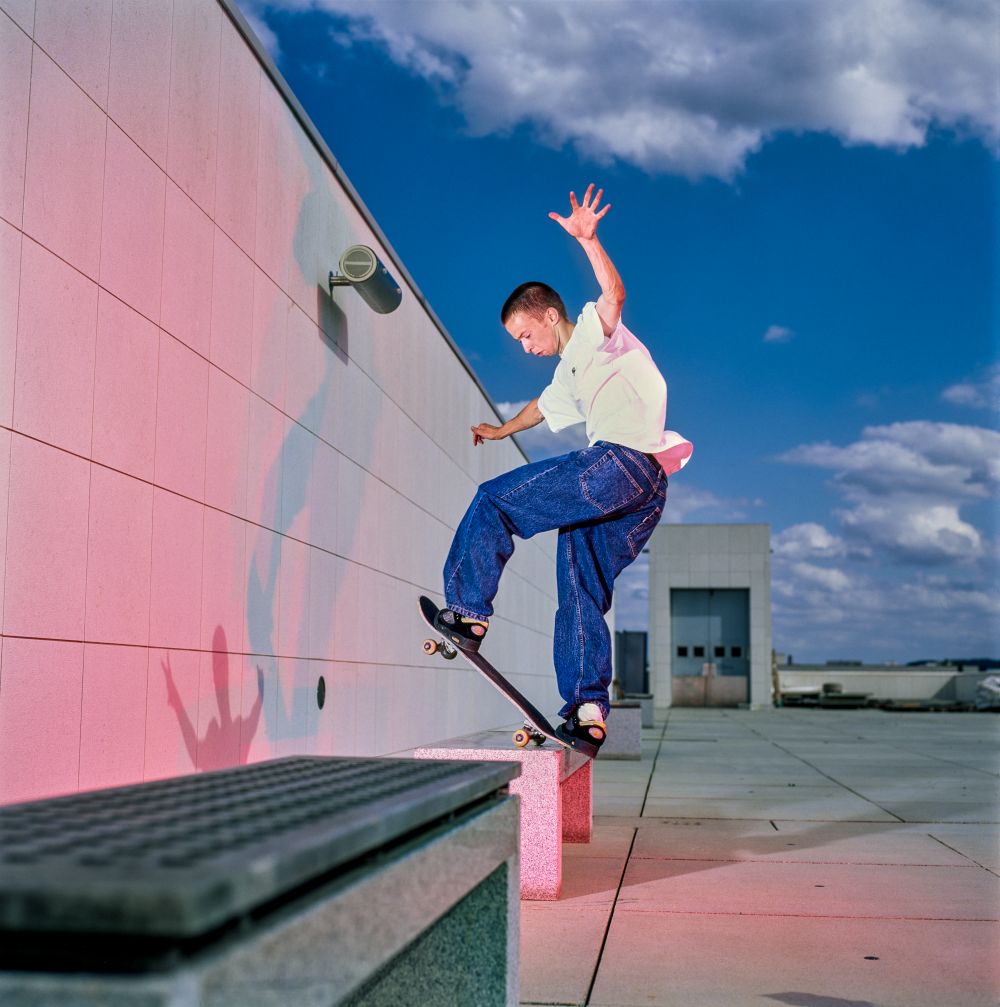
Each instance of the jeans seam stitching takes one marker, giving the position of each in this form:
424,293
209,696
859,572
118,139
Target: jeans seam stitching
461,559
656,513
639,457
579,615
521,486
628,475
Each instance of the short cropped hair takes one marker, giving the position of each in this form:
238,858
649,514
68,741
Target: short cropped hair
533,297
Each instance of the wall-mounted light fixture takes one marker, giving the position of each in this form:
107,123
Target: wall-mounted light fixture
361,268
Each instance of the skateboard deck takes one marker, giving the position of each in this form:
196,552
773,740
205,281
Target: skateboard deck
536,727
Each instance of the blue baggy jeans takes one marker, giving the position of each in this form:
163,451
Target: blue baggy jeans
605,500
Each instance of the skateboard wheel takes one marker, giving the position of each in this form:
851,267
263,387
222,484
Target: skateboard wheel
448,652
430,647
539,739
521,737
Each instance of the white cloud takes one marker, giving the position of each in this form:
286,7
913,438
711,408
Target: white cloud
918,456
904,484
254,16
778,334
690,87
807,541
828,578
915,529
977,393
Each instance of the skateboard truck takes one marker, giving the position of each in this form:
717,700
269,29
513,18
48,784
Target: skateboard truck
448,652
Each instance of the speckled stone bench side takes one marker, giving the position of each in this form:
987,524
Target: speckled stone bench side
556,801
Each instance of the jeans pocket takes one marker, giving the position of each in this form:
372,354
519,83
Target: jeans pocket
639,535
608,485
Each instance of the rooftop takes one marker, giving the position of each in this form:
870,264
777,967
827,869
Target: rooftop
825,858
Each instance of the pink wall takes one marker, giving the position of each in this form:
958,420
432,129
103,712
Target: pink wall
208,472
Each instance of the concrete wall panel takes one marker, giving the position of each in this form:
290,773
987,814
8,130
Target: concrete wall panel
226,462
139,75
64,179
239,114
124,434
46,573
113,716
232,308
10,282
171,747
176,572
119,558
192,134
54,369
188,250
41,688
15,80
223,592
132,226
5,439
78,37
21,11
181,419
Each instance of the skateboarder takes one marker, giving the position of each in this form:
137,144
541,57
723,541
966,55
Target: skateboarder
605,500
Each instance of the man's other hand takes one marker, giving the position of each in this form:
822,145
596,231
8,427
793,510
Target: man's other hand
486,432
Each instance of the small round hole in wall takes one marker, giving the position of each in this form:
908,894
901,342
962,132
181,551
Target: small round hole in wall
321,692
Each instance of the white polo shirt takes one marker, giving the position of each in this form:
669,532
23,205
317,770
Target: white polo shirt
612,384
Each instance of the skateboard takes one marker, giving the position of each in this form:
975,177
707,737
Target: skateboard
536,728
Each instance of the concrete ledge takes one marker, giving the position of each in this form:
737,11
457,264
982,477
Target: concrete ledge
645,700
555,791
624,740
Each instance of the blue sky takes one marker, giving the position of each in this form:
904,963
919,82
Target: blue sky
804,215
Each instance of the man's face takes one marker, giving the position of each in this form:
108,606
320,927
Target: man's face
536,335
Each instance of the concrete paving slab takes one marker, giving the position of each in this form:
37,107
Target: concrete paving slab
685,960
841,806
607,841
623,788
610,806
944,811
587,883
559,950
807,889
795,842
662,787
979,843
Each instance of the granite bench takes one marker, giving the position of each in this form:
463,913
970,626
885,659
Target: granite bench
624,739
298,881
645,701
555,790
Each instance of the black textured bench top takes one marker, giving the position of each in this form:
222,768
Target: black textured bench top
176,858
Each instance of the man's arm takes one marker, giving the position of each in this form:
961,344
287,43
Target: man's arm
529,416
582,224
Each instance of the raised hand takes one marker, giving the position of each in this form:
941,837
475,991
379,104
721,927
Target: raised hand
583,218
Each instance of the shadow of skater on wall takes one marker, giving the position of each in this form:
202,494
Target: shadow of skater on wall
226,742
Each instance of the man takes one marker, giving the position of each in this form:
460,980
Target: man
605,500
